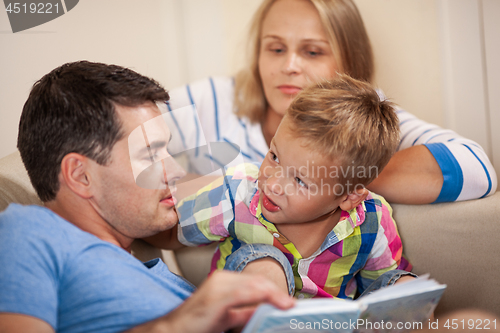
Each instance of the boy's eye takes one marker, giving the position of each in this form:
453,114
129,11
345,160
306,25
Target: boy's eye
274,157
300,182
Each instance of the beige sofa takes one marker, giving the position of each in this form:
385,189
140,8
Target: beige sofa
457,243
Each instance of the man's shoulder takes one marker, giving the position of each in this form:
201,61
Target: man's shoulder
28,228
33,218
27,217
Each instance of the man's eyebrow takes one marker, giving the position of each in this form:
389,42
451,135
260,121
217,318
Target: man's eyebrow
153,145
159,143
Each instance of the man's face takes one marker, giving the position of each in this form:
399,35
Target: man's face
131,210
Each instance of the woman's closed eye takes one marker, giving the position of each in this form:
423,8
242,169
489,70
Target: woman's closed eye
313,52
277,48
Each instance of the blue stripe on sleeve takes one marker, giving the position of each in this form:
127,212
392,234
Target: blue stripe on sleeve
407,120
247,139
196,152
237,149
421,136
453,178
255,149
404,137
485,171
178,128
216,108
436,135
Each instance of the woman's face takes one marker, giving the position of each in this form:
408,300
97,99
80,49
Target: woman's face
294,52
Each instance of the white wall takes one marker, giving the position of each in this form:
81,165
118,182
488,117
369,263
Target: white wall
419,45
491,13
131,33
405,39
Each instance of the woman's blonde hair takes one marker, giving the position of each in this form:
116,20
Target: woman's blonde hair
347,36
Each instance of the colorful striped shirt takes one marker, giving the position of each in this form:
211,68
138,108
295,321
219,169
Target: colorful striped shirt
363,245
467,171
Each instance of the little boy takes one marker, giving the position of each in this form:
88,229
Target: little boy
309,199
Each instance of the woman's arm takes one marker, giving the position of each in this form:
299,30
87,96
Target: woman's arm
412,176
434,165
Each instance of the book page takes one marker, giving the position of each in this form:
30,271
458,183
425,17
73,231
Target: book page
401,307
309,315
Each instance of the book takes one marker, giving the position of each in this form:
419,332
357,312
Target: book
398,308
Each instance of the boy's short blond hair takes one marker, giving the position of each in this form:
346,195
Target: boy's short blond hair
345,120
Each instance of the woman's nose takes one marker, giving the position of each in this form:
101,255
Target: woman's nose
291,64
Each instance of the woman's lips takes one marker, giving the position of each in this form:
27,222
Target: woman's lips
269,205
289,90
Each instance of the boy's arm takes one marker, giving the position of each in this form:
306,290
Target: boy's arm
387,250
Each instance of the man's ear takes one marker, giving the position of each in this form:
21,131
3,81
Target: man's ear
354,198
75,174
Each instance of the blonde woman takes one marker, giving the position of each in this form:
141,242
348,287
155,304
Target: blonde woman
296,42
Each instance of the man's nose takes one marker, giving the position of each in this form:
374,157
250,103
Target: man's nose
172,171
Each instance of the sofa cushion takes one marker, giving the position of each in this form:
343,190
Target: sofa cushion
15,185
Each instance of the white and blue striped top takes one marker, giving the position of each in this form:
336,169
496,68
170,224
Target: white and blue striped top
467,171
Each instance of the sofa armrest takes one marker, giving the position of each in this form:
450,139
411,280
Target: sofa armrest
15,185
457,243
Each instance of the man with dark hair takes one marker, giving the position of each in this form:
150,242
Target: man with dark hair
66,266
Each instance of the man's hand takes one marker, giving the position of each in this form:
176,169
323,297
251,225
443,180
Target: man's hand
225,300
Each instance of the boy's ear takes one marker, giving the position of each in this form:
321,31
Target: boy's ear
75,174
353,199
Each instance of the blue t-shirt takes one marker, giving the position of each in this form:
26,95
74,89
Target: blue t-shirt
52,270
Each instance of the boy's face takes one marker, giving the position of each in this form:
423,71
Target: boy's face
294,181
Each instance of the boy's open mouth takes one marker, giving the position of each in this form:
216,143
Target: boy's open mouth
269,205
